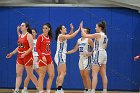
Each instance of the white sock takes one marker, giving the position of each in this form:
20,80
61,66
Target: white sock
93,91
17,89
41,91
48,91
104,90
25,88
89,89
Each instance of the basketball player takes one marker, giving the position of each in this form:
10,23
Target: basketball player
99,55
45,59
84,45
24,57
60,56
35,63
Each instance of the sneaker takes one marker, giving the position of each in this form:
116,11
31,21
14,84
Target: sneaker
59,91
88,91
85,91
16,92
24,91
62,91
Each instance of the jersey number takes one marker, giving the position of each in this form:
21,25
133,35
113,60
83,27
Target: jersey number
20,45
80,49
105,40
48,47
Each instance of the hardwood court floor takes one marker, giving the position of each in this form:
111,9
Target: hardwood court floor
67,91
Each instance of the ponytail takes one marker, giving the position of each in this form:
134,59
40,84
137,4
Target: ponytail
28,28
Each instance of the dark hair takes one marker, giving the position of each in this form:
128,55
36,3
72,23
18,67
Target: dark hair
103,26
50,32
57,32
34,29
88,30
28,28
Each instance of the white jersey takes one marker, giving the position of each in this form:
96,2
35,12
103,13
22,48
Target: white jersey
60,56
100,55
101,43
61,46
34,48
84,61
83,46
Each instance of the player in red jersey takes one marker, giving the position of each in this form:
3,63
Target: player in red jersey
45,59
35,57
24,57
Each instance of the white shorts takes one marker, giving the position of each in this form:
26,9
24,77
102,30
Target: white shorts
85,63
99,57
35,62
60,58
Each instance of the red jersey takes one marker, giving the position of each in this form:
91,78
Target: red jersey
23,45
43,45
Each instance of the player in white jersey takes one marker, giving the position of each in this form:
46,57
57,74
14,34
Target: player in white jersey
85,51
99,55
35,61
60,56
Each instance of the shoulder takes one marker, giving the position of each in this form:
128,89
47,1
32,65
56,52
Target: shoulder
79,40
29,36
39,37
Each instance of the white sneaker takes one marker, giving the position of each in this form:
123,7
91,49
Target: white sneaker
24,91
92,91
59,91
62,91
56,91
89,91
85,91
16,92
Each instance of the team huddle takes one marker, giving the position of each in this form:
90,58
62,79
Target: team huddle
35,54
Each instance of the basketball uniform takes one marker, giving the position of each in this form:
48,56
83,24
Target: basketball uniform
60,56
84,61
43,49
100,55
35,55
23,46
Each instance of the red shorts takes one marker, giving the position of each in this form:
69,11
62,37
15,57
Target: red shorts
26,61
42,63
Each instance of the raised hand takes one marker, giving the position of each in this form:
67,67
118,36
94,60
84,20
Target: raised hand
71,26
136,58
18,28
9,55
81,25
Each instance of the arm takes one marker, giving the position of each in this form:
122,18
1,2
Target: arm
18,32
96,35
38,45
70,36
74,49
72,29
90,42
30,40
12,53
